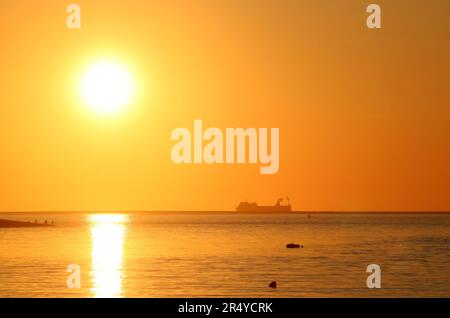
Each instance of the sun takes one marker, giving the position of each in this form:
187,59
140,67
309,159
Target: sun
107,87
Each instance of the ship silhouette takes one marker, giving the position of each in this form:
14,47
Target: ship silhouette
254,207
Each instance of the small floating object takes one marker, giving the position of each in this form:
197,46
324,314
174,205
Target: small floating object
273,284
293,245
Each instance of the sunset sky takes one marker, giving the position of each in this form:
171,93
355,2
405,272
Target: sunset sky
364,115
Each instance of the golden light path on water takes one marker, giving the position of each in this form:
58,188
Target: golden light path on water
107,240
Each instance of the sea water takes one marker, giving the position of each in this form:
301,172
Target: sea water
226,254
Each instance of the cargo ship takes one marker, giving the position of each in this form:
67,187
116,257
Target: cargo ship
254,207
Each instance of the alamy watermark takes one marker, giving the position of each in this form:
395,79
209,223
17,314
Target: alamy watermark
374,279
74,18
229,147
74,279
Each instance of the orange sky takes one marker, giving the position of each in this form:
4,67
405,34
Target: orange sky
364,115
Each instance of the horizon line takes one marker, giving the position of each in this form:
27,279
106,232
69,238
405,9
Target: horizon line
228,211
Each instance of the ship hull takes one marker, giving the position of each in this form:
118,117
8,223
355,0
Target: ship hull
282,208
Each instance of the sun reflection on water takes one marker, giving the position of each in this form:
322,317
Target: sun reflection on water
107,236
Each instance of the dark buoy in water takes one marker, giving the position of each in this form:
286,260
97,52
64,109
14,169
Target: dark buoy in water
292,245
273,284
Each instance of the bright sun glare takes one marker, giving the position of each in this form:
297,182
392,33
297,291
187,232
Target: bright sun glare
107,87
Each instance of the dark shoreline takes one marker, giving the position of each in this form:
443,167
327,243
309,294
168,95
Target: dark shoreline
16,224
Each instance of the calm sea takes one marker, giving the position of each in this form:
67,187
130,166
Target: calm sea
228,255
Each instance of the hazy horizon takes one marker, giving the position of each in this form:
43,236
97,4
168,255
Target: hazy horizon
225,211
